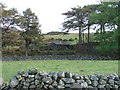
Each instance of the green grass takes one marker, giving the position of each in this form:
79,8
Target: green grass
69,36
10,68
61,36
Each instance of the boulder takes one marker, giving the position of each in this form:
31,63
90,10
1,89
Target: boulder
94,83
84,85
68,80
76,77
111,81
76,85
101,86
43,74
103,77
93,77
89,82
61,74
80,81
32,71
13,82
68,75
61,83
86,77
21,72
47,80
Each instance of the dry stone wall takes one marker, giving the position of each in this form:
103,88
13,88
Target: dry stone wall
58,57
62,80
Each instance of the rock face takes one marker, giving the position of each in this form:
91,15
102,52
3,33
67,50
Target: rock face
61,80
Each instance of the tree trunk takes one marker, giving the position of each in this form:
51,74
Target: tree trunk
26,48
101,28
26,52
83,37
88,34
80,39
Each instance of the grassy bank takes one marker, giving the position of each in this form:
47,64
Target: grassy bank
10,68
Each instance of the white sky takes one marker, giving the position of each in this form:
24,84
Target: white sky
49,12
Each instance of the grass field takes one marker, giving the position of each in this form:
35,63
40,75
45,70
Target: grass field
10,68
61,36
69,36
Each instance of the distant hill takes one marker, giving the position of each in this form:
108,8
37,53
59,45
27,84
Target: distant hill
55,33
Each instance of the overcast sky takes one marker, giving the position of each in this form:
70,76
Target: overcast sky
48,11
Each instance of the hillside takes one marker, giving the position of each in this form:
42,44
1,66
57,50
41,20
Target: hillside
71,38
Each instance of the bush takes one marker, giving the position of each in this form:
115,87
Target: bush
71,39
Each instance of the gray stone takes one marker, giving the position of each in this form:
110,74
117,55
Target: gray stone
84,85
68,75
61,83
94,83
32,83
55,76
90,87
111,81
13,82
76,85
89,82
54,84
115,86
101,86
31,76
50,87
39,86
36,82
111,76
60,87
46,86
38,77
47,80
81,77
117,82
103,77
43,74
19,77
4,86
21,72
51,74
26,84
32,71
80,81
67,85
27,80
102,81
86,77
25,87
93,77
31,79
68,80
117,79
32,86
61,74
76,77
25,74
108,86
